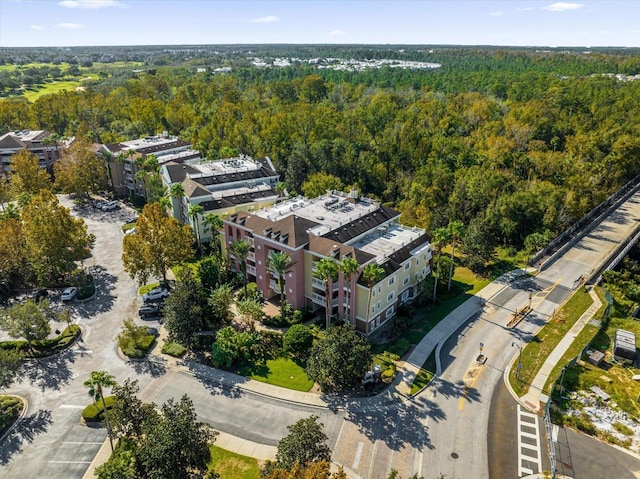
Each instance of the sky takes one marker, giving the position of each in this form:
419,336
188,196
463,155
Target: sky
431,22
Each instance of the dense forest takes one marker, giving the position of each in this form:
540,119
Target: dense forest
510,142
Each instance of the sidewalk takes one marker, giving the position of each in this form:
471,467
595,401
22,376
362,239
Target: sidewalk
398,390
532,399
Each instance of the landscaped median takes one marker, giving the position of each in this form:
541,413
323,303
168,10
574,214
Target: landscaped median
44,347
10,409
545,341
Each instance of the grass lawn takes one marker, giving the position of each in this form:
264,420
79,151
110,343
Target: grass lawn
283,372
536,352
233,466
55,87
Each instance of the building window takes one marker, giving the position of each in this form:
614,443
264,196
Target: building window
373,295
405,281
390,296
379,289
379,304
405,296
392,280
389,311
424,256
407,265
373,308
424,271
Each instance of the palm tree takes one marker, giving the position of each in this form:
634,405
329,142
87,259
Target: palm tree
280,188
176,191
348,267
215,224
456,230
279,263
98,380
194,213
439,239
240,249
327,271
372,274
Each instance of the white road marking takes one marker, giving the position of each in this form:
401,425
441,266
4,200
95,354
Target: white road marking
71,406
554,432
82,442
70,462
356,461
529,460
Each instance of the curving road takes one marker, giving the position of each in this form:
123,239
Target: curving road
445,429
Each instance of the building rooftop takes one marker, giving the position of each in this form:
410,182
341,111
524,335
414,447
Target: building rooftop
388,238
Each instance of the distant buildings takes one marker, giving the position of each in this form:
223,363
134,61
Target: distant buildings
335,226
46,146
124,160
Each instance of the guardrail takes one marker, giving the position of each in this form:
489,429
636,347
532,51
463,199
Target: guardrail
561,243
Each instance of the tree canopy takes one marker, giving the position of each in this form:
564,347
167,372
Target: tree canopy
160,242
79,170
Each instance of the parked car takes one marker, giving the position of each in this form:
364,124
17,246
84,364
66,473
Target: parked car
110,206
150,310
38,294
99,204
130,231
156,294
69,293
153,331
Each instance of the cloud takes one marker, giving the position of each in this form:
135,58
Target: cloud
496,14
69,26
36,27
90,4
562,6
267,19
336,33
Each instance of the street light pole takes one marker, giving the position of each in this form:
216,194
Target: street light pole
519,359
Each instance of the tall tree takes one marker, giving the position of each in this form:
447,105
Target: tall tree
215,224
28,320
80,170
129,414
185,310
279,263
456,230
178,445
349,267
372,274
340,359
55,240
305,443
327,271
26,174
440,237
159,243
240,250
194,213
176,192
220,301
318,183
95,384
13,250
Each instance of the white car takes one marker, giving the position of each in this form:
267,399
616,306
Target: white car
155,294
69,293
110,205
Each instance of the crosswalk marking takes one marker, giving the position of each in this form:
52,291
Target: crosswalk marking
529,456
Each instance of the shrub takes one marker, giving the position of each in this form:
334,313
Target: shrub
173,349
252,293
389,372
94,413
298,340
10,408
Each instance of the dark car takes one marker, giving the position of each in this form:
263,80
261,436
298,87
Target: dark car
150,310
38,294
153,331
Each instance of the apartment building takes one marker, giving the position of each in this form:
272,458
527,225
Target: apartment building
335,226
222,187
43,144
124,160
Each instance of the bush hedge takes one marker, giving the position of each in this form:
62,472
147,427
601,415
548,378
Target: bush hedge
173,349
10,408
94,413
138,348
45,347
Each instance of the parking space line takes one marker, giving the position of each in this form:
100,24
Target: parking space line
82,442
356,460
69,462
71,406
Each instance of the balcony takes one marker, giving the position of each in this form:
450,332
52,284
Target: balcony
318,299
274,286
251,256
251,269
317,283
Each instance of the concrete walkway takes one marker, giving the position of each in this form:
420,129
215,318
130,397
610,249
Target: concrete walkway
532,399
